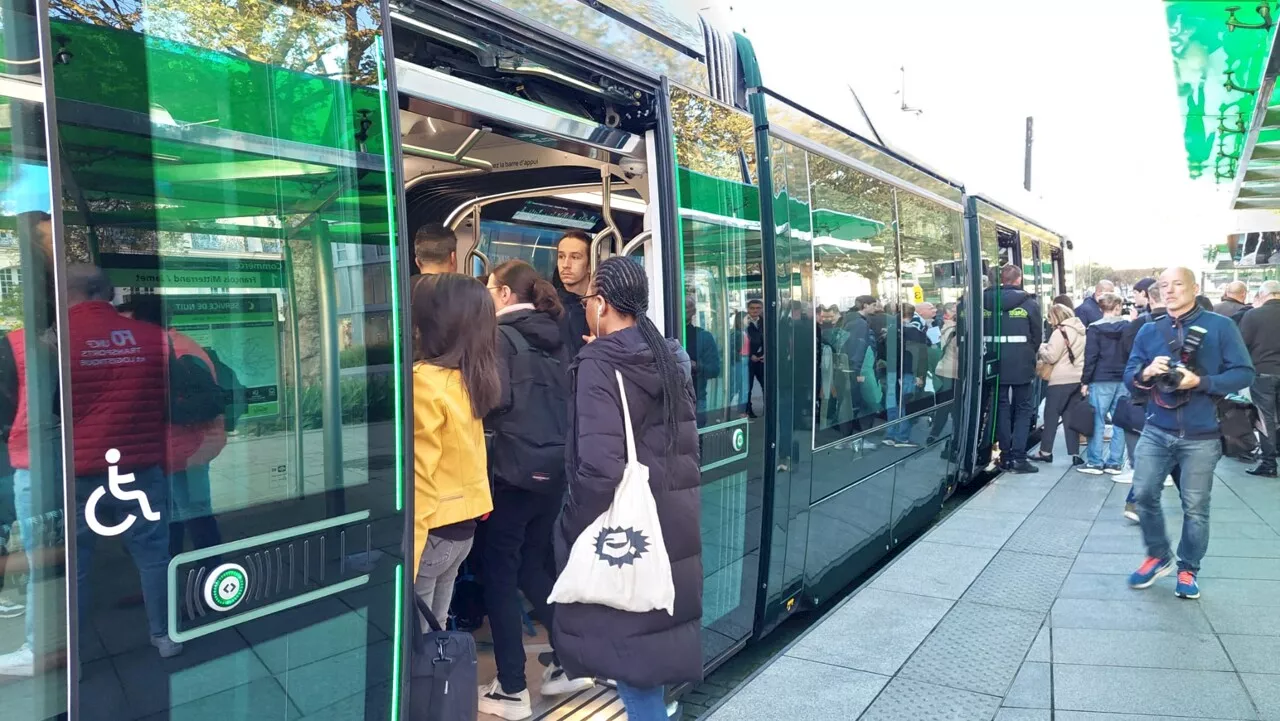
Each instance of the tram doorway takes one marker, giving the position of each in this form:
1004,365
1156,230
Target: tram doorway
510,179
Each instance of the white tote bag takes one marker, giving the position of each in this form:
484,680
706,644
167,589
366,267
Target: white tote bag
620,560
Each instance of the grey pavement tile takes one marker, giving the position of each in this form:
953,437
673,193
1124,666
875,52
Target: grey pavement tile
976,527
1110,563
1232,618
1070,500
1113,544
874,631
1023,714
1265,691
1254,654
1140,649
1040,649
1115,587
1020,580
1088,716
1124,615
1244,547
1049,536
800,689
1032,687
905,700
1263,569
1243,591
934,569
1197,694
1006,500
976,648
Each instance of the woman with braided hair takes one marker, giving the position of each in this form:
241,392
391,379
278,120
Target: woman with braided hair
643,652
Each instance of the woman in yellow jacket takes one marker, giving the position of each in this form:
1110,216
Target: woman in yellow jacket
455,383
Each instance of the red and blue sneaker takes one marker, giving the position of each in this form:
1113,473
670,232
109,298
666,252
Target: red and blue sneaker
1150,570
1187,586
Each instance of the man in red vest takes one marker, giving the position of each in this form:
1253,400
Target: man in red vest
119,401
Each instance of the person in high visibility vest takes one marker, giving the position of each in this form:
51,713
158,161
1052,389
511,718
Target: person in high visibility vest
1011,318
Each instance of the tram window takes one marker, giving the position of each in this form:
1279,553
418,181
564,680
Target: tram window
857,357
717,280
931,246
501,241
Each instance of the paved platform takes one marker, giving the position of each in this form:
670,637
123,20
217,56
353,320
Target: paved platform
1016,608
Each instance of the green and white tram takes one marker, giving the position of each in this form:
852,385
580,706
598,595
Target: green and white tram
254,171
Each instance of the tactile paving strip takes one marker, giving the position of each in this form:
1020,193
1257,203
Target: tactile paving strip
1020,580
1071,501
1049,536
904,700
976,647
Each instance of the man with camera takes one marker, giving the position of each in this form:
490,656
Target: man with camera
1183,363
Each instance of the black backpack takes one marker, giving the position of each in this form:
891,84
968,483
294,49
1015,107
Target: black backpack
235,399
528,439
194,397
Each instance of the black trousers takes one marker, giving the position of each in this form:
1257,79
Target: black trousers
1013,420
518,558
757,376
1266,398
1055,402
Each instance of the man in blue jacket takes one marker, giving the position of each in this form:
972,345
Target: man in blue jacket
1183,381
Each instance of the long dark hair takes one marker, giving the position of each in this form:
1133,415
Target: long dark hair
623,285
456,328
528,286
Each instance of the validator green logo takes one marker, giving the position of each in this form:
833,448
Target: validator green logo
226,587
739,440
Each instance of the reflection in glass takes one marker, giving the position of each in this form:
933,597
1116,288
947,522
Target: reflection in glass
230,236
33,635
854,244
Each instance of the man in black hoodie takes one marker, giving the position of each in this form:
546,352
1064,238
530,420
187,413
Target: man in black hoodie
1011,318
573,277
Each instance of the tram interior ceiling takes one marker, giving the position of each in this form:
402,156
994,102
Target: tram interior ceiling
525,173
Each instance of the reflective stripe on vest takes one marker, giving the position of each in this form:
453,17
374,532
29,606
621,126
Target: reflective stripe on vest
1005,338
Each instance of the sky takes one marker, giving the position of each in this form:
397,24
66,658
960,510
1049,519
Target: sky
1109,168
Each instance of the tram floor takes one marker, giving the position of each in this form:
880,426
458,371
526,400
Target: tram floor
1017,607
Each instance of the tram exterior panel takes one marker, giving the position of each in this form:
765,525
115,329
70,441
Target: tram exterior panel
255,186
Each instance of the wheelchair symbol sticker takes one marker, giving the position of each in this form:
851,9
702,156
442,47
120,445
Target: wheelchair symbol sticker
116,483
225,587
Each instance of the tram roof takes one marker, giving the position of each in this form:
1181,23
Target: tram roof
1226,64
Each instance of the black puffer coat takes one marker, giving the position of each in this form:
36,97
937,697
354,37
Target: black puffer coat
642,649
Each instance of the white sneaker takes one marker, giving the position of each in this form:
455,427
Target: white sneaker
166,646
555,682
1125,477
18,663
496,702
11,609
1168,480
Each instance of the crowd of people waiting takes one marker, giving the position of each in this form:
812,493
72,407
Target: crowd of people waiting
519,445
1160,379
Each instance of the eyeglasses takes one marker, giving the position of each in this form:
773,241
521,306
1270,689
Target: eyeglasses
585,298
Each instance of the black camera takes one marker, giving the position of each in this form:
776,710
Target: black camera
1182,363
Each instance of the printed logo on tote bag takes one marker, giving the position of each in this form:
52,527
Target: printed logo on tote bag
621,546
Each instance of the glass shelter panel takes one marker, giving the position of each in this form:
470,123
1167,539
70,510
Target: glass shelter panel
230,234
719,215
33,620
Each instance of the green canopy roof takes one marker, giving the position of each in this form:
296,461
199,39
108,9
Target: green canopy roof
1225,72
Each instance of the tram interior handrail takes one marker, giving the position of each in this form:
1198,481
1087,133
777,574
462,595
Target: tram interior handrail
606,211
641,238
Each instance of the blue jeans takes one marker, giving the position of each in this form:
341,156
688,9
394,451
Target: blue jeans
643,704
895,410
191,511
147,541
1103,397
1157,453
37,529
